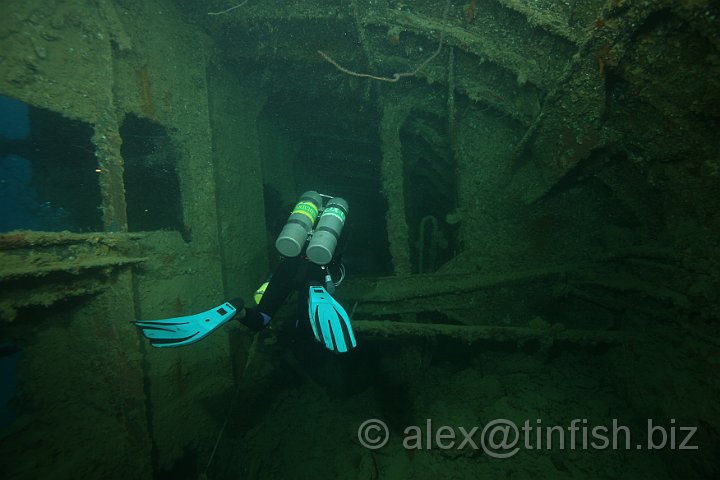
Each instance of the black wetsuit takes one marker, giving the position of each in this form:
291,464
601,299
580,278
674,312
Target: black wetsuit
296,273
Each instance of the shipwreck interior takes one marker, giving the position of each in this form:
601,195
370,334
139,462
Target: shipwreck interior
534,235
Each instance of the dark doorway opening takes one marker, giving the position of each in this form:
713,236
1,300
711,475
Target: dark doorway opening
430,180
337,154
152,186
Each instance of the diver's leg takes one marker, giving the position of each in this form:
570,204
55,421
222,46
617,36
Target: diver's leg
310,275
279,287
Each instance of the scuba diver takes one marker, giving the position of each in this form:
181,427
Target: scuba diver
311,244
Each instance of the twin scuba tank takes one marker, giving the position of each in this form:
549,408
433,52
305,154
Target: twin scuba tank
301,226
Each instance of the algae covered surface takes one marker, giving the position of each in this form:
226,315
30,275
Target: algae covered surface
533,259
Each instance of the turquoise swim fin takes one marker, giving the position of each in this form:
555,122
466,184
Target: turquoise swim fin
180,331
329,321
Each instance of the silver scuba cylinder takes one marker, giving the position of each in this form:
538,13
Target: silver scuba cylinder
295,233
322,245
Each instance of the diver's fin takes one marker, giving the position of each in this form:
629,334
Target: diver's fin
179,331
329,321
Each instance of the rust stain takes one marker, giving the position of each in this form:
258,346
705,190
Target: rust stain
470,11
144,84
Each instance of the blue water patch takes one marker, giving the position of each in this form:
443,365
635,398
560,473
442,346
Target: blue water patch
14,119
19,206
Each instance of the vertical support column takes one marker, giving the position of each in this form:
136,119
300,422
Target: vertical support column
119,370
235,104
110,163
393,185
107,138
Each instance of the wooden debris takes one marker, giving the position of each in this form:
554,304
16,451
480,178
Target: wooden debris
403,288
45,296
39,269
472,334
29,239
632,285
73,267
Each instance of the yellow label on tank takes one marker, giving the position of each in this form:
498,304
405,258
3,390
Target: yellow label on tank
308,209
